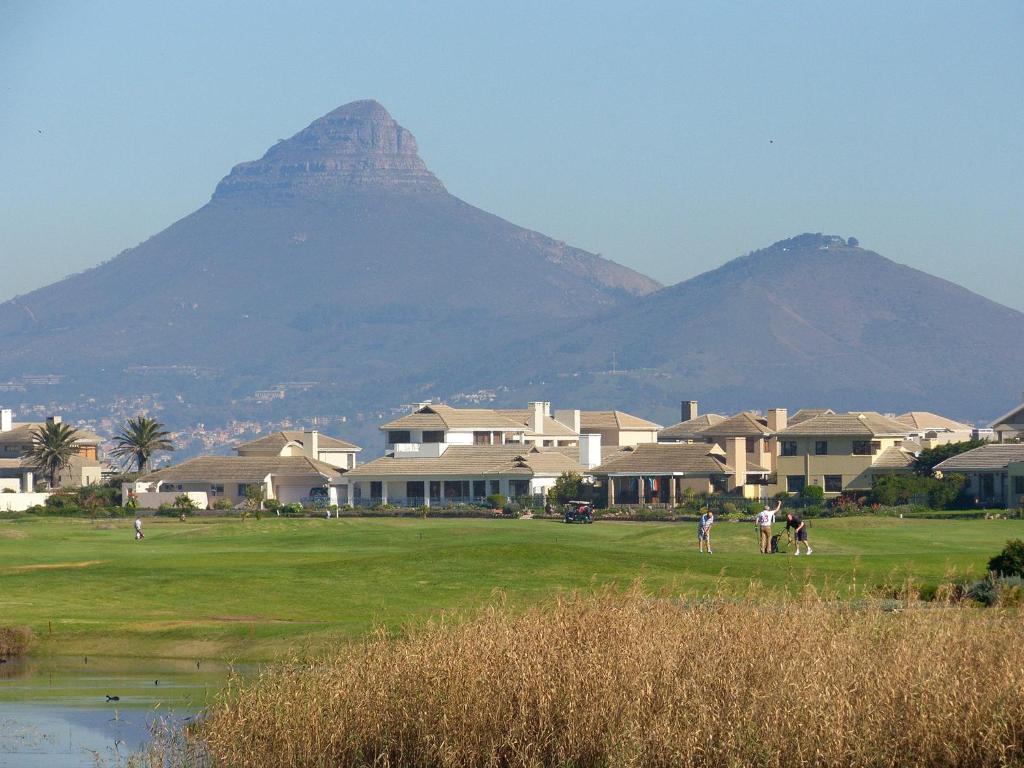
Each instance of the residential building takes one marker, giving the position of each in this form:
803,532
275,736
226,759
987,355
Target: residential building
995,474
445,473
330,450
840,452
17,440
1009,427
617,428
809,413
286,479
663,473
750,434
431,424
930,430
690,425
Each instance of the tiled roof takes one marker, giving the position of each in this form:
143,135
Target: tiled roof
988,457
923,420
468,460
445,417
21,434
808,413
666,458
893,458
277,440
741,425
691,428
867,424
1014,416
242,469
522,417
614,420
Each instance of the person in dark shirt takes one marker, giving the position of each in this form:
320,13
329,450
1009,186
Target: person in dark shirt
799,527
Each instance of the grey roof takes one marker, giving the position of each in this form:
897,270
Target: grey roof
691,428
893,458
741,425
614,420
1014,416
442,416
466,460
275,441
925,420
522,416
808,413
667,459
242,469
995,456
867,424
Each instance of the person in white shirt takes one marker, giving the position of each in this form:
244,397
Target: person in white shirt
138,529
763,523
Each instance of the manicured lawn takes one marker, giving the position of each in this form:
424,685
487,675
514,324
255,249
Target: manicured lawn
255,589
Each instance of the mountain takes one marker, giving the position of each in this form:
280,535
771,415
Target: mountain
815,320
337,257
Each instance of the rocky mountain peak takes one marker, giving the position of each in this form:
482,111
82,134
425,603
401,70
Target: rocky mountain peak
358,145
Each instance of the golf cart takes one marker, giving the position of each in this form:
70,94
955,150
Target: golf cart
578,512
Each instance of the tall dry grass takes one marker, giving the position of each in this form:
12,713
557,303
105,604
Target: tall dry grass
621,679
15,641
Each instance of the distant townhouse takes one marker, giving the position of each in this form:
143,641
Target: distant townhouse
930,430
995,474
663,473
431,424
330,450
617,428
840,452
1009,427
690,425
17,440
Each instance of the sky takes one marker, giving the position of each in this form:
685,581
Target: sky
670,136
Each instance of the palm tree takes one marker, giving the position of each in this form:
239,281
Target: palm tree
53,445
140,438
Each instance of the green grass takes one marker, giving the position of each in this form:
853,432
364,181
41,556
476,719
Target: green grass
255,589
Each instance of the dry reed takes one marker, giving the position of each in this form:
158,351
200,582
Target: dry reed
621,679
14,641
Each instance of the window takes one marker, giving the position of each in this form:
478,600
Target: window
752,444
414,489
789,447
833,483
1018,484
435,489
216,490
242,488
376,489
821,447
494,486
795,483
433,436
988,486
482,438
399,436
479,489
518,488
862,447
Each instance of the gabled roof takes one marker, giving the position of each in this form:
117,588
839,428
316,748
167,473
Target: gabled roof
741,425
522,416
893,458
808,413
614,420
666,459
275,441
242,469
925,420
460,461
994,456
21,434
1013,416
691,428
445,417
867,424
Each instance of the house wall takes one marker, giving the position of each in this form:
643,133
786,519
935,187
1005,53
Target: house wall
10,483
394,489
153,500
19,502
856,471
637,437
340,459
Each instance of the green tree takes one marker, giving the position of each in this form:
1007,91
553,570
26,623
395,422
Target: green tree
1009,562
53,445
812,493
567,487
926,461
139,439
254,497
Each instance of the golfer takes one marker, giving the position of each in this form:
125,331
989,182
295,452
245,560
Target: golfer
704,531
763,523
799,528
138,529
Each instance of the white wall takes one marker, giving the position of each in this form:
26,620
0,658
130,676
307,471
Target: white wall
152,500
19,502
14,483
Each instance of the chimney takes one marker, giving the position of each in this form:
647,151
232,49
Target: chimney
688,410
6,420
571,419
736,457
778,419
537,412
311,443
53,419
590,450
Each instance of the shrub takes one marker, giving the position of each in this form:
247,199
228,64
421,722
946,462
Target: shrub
497,500
14,641
271,505
812,493
223,503
292,509
567,487
1009,562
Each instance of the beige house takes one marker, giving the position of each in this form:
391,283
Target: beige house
690,425
995,474
930,430
431,424
749,434
662,473
444,474
16,441
286,479
840,452
330,450
1009,427
617,428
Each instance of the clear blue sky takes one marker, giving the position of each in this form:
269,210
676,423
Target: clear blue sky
642,131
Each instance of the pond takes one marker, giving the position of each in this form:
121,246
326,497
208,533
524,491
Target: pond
54,712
